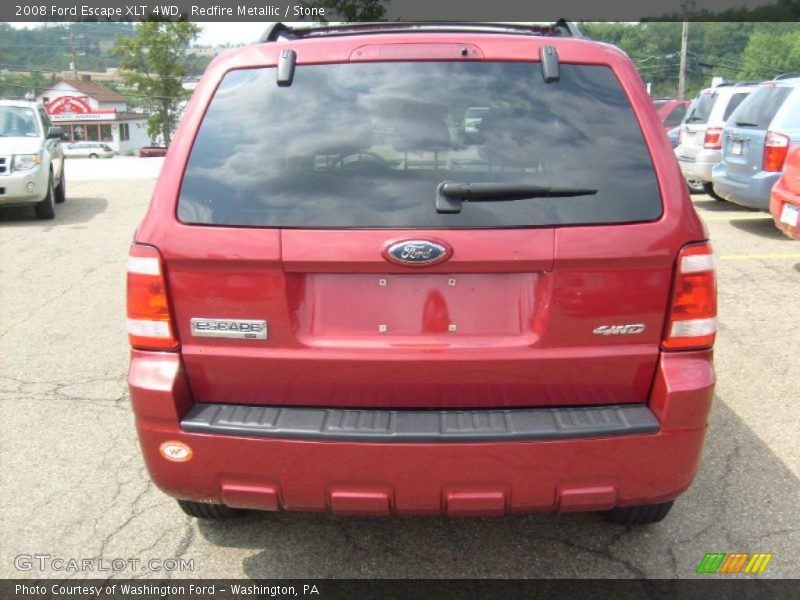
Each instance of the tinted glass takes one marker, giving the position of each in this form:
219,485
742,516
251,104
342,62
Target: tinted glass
701,108
366,145
760,108
18,121
676,116
733,104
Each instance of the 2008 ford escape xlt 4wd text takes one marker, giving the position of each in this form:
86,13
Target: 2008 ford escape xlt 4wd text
348,296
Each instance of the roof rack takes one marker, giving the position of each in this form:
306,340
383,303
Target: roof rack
747,82
277,31
787,76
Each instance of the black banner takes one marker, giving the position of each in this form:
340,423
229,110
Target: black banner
397,10
711,588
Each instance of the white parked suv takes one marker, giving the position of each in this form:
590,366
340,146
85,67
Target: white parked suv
31,159
700,141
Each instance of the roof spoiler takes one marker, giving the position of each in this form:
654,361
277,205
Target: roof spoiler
277,31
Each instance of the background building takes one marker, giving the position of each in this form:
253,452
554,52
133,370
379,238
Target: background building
89,111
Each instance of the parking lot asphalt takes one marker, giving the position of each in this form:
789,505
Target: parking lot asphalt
73,485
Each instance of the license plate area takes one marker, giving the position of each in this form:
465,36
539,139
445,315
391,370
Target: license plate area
790,215
435,309
736,147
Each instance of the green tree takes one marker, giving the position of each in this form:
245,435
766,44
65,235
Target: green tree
768,54
734,50
153,64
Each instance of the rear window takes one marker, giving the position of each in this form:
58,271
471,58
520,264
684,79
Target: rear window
701,108
733,104
365,146
18,121
760,108
676,116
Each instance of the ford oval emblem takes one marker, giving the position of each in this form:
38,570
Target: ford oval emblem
417,252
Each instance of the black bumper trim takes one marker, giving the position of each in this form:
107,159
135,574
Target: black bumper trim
377,425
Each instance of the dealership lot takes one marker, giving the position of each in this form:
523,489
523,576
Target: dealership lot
73,484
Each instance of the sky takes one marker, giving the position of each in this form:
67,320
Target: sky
214,34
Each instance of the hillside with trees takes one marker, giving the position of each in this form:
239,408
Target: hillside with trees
29,57
734,50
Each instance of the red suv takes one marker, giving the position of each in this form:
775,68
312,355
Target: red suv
671,111
342,300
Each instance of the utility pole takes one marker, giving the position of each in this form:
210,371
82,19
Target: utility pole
684,44
74,46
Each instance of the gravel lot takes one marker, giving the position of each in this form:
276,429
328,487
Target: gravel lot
73,484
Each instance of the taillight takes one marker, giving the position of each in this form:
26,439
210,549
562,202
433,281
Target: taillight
776,145
713,138
692,321
149,317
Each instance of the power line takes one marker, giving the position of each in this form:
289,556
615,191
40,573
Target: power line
124,92
24,69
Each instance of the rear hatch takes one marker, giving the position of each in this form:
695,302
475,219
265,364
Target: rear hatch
313,207
746,132
694,126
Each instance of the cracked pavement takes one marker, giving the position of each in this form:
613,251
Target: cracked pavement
73,484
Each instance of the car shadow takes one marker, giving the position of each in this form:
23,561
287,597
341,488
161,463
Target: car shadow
743,494
763,227
709,204
75,211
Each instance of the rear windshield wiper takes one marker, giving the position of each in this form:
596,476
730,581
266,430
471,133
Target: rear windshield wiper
695,119
450,195
746,124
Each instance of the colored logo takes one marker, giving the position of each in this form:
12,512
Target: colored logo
417,252
176,451
721,563
68,105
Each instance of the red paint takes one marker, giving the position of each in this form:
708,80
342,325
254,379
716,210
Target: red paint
667,107
524,305
417,478
152,152
68,105
787,191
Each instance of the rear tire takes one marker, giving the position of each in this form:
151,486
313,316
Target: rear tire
639,515
708,188
696,186
46,209
93,155
61,190
202,510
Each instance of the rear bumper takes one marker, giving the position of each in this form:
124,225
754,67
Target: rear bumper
753,193
454,477
781,196
700,166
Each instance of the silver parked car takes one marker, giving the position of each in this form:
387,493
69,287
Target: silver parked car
700,145
755,142
88,150
31,159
